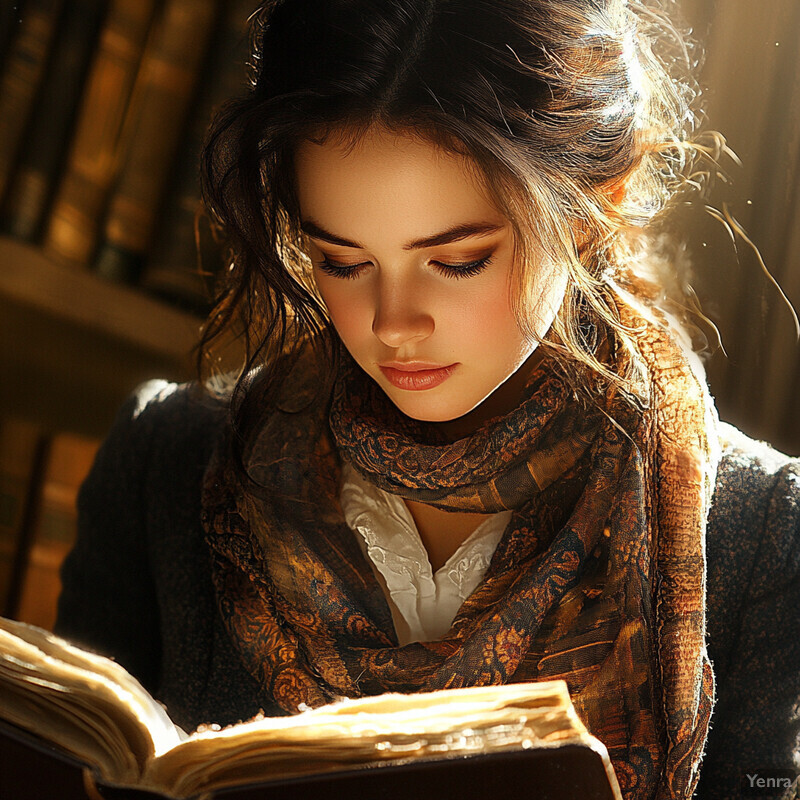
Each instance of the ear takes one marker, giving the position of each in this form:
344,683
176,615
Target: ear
616,194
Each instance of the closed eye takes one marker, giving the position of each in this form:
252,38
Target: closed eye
464,270
341,270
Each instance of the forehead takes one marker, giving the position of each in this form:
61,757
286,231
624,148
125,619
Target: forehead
391,182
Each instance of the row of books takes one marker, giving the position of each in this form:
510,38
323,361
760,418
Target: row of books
104,105
40,475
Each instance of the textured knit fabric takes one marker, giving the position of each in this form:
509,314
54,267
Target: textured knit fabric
599,578
423,603
138,585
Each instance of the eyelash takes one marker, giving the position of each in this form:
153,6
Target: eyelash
457,271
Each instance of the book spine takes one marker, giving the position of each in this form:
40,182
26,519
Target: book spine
22,76
185,255
43,150
157,117
19,441
68,463
93,160
10,18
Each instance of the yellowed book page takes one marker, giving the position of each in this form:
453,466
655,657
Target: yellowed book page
94,709
85,696
390,727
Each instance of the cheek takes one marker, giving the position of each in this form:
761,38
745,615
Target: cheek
481,316
349,309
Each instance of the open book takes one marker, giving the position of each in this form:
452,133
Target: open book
91,709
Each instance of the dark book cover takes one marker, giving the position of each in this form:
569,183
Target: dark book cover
31,770
94,156
42,153
23,453
22,75
64,704
155,123
10,18
185,256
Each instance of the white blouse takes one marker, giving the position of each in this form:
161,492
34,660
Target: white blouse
423,604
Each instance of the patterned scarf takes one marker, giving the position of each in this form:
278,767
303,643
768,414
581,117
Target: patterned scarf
598,579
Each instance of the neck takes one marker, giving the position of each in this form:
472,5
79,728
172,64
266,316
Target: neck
503,399
442,532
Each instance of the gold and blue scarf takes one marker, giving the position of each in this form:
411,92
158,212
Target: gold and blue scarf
598,579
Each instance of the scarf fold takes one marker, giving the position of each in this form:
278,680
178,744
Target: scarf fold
599,577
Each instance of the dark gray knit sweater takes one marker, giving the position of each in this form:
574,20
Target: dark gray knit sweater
137,585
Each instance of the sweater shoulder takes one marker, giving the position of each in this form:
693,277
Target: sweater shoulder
157,449
161,417
753,535
757,492
753,629
167,403
755,512
742,452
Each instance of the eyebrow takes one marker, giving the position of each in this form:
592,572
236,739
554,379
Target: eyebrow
455,233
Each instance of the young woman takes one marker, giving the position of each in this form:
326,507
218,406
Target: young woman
471,443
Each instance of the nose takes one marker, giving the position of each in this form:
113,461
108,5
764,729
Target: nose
400,314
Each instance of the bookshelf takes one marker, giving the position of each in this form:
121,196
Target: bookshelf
108,102
104,106
76,344
72,347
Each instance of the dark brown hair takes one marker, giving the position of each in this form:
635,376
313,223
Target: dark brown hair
571,110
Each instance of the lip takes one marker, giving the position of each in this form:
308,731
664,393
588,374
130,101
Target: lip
416,378
413,366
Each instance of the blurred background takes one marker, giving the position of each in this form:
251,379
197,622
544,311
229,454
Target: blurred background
106,262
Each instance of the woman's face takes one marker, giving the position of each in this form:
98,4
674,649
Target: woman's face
413,261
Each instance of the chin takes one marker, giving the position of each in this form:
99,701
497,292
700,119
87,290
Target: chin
426,410
428,417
